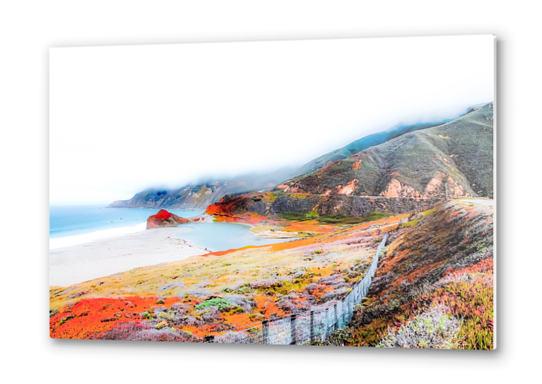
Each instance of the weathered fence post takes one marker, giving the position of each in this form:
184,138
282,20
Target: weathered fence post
312,327
293,332
265,331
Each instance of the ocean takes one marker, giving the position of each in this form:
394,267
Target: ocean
80,224
223,236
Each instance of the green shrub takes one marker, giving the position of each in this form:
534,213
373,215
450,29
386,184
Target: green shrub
221,304
411,223
375,215
64,319
165,316
298,216
343,219
146,315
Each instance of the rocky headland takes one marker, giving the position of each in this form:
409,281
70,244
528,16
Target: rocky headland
165,219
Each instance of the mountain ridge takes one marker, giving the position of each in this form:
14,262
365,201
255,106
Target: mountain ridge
201,194
371,173
373,139
455,157
411,172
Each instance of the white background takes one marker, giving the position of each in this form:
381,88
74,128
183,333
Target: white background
28,29
125,118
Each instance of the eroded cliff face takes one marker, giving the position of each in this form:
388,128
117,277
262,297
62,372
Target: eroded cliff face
397,189
440,186
443,183
165,219
348,189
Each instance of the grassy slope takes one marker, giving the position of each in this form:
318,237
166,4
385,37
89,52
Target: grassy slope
472,148
185,300
462,149
362,144
453,269
248,285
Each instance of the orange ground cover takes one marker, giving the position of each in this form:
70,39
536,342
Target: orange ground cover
309,226
386,224
90,318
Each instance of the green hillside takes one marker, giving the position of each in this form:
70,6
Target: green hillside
370,141
456,156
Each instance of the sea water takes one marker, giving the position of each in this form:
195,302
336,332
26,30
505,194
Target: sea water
223,236
80,224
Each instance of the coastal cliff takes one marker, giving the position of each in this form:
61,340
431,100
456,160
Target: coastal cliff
409,173
202,194
188,197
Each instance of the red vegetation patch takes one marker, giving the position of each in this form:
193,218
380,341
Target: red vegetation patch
482,266
163,214
221,209
222,253
233,209
90,318
246,218
309,226
267,307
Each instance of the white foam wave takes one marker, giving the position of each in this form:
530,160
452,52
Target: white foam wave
68,241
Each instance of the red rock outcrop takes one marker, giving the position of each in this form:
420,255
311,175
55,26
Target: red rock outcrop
165,219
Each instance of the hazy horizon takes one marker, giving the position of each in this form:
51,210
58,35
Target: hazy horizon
127,118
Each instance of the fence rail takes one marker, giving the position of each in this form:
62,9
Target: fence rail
304,328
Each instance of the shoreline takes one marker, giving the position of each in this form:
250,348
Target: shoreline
109,256
56,243
132,247
59,240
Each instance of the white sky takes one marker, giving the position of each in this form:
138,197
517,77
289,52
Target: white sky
129,117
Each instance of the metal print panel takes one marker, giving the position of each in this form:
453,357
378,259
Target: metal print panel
319,192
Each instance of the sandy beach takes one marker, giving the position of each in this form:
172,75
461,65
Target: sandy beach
104,257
